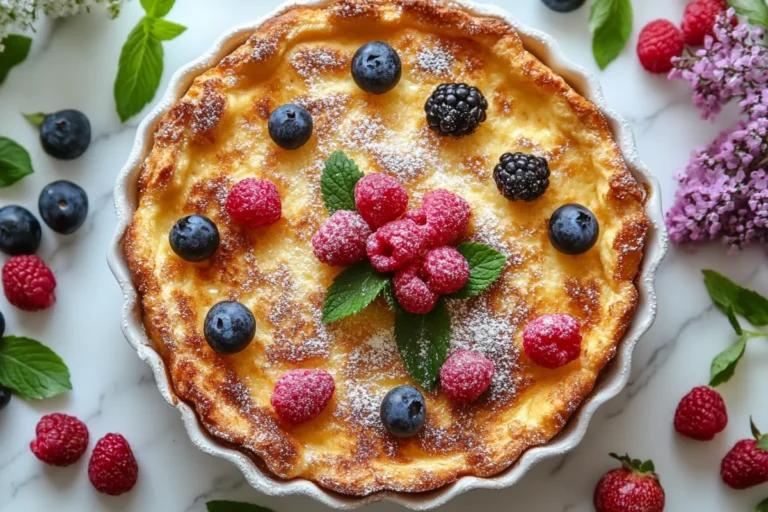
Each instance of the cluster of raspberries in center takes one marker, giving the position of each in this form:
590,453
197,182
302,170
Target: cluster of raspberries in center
411,244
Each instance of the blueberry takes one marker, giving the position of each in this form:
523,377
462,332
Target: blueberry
404,411
194,238
376,68
2,325
564,5
66,134
229,327
63,206
5,396
290,126
19,231
573,229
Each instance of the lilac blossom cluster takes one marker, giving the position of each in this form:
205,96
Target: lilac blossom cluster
723,192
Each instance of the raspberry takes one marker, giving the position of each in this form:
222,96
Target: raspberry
446,270
254,203
380,199
699,20
552,340
701,414
412,292
61,440
342,240
28,283
659,42
465,376
447,217
113,469
395,245
745,465
301,395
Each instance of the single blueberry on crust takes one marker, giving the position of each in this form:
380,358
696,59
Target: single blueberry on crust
404,411
194,238
229,327
573,229
376,68
65,135
290,126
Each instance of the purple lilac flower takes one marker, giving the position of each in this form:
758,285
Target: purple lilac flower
723,192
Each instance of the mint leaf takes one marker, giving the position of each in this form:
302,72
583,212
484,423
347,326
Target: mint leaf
338,182
756,11
233,506
352,291
165,30
745,302
389,296
157,8
138,72
611,24
724,365
485,267
733,320
14,162
31,369
762,506
422,341
15,52
35,119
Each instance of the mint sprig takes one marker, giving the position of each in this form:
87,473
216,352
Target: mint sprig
14,162
141,60
233,506
756,11
485,267
15,52
338,181
32,370
724,365
352,291
422,341
611,24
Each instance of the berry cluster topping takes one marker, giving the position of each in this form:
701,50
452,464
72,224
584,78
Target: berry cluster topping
552,341
113,469
254,203
290,126
411,290
659,42
701,414
521,177
376,68
20,231
342,240
446,217
465,376
194,238
456,110
301,395
380,199
395,245
446,270
28,283
61,440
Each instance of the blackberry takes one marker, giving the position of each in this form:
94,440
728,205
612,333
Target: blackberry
521,176
456,110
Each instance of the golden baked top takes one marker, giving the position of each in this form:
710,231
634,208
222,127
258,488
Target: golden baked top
217,134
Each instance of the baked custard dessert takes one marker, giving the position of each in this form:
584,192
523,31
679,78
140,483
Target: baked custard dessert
381,246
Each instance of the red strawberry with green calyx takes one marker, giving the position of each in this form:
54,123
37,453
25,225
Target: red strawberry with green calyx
635,486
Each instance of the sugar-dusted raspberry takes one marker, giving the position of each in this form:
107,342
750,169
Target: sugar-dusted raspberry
254,203
301,395
658,43
113,469
412,292
465,376
447,216
701,414
61,439
552,341
446,270
342,240
380,199
395,245
699,19
28,283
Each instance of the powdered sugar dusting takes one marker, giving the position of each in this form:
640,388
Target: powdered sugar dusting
435,61
311,63
376,354
361,404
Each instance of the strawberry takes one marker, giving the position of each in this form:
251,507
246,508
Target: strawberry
746,465
633,487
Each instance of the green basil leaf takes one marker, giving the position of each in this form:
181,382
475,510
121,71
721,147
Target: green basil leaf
32,370
166,30
611,25
422,341
485,267
157,8
14,162
352,291
733,320
233,506
724,365
338,181
762,506
15,52
35,119
139,71
756,11
745,302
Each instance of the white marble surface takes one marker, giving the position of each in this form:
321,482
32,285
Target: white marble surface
73,66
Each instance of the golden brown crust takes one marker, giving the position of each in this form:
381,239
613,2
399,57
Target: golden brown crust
216,135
